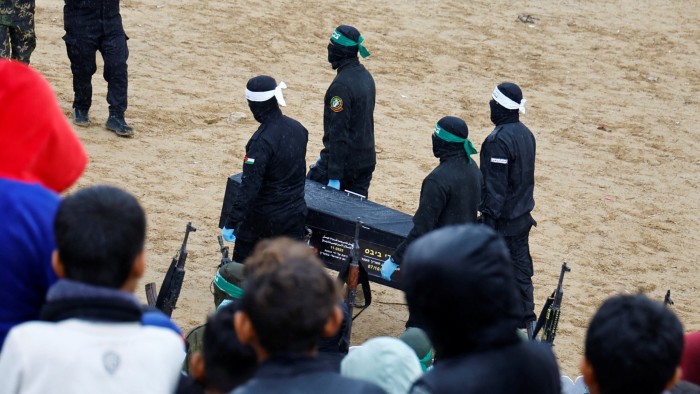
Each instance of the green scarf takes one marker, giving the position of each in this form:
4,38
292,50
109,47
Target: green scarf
449,137
228,287
338,38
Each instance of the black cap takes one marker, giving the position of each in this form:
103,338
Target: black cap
455,126
262,83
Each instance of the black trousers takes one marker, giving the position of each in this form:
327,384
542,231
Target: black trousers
354,180
252,231
522,263
82,51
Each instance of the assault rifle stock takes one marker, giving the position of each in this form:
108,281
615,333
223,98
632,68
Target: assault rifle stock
172,283
354,269
548,320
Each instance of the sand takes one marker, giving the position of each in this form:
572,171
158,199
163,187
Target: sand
613,101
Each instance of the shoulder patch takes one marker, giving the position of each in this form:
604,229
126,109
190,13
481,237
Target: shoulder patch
336,104
499,160
248,160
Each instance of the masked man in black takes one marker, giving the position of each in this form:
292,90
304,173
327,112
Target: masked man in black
271,199
348,156
450,194
508,168
92,26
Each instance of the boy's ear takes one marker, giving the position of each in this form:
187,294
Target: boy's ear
588,375
676,377
57,265
197,366
139,267
244,328
335,320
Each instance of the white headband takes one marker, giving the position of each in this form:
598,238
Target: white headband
264,96
507,102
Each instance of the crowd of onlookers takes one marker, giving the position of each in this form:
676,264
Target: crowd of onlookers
69,321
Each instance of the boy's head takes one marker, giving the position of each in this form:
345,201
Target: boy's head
459,287
633,345
224,363
289,303
100,233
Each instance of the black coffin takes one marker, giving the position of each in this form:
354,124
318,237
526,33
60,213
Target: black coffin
331,219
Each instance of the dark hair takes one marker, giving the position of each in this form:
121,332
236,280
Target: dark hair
100,230
227,363
634,345
289,304
460,289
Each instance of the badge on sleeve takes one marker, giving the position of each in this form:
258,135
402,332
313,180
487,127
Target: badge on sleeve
336,104
499,160
248,160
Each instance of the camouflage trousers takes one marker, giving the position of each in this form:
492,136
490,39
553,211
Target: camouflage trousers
17,41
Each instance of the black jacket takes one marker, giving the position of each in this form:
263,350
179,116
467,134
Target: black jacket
508,169
348,121
298,374
521,368
274,172
450,194
92,18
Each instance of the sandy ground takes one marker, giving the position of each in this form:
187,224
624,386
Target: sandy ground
613,98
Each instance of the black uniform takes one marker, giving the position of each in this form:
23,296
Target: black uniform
450,194
508,168
271,202
348,129
93,25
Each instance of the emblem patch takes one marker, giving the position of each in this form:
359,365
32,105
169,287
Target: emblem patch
499,160
248,160
336,104
111,361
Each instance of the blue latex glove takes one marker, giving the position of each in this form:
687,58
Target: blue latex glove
334,183
227,234
388,268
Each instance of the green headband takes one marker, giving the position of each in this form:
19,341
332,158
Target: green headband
426,361
228,287
338,38
449,137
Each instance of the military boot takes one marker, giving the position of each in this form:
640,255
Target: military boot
118,125
80,117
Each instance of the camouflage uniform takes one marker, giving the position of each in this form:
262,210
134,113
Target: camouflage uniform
17,37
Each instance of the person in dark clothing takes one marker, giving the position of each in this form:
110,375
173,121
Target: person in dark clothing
17,35
450,194
477,346
633,345
288,306
223,363
348,157
271,202
508,168
93,26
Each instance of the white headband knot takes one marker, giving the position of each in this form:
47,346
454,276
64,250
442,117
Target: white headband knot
507,102
264,96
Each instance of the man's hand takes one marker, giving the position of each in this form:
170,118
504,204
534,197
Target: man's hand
334,183
227,234
388,268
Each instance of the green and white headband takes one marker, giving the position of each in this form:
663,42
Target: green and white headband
449,137
338,38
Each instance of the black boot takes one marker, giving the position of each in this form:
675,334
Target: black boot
80,117
117,124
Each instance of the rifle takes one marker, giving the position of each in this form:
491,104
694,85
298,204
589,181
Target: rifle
172,283
549,317
224,252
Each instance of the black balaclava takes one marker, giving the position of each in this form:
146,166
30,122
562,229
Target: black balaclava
338,53
262,109
459,283
456,126
501,115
